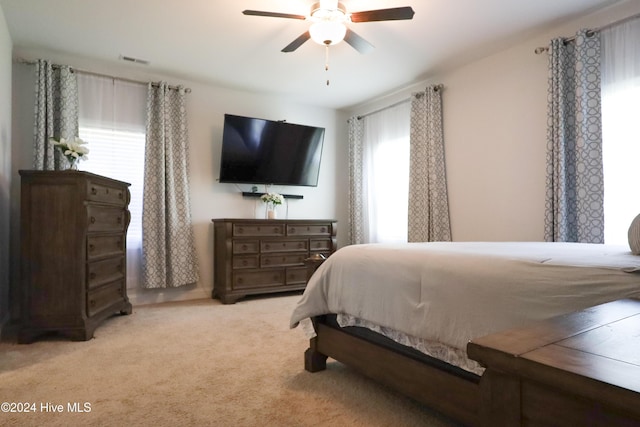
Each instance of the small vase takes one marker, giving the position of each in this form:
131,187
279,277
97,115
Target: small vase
73,164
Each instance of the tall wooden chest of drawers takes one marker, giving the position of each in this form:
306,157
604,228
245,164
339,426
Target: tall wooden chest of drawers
253,256
73,228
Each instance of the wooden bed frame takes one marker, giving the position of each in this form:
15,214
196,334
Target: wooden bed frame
576,369
589,386
425,379
451,391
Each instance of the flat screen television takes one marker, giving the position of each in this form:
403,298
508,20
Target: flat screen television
258,151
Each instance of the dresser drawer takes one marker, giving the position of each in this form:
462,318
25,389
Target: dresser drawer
104,271
258,278
282,260
258,230
309,230
104,218
101,298
248,261
320,245
295,276
108,194
102,246
246,246
283,245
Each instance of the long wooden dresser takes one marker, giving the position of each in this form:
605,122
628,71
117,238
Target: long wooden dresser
73,228
253,256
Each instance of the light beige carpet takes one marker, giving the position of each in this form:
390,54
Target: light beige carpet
195,363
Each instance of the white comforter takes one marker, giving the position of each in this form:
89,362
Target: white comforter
453,292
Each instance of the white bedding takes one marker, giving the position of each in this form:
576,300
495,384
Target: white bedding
451,292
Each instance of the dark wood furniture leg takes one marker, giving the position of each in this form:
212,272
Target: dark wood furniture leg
455,396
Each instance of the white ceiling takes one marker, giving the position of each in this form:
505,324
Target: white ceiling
212,41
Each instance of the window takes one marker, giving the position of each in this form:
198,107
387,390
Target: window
386,174
112,120
119,155
620,129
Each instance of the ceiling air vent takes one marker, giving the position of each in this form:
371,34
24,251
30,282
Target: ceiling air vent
135,60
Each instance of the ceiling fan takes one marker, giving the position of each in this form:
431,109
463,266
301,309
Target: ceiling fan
329,19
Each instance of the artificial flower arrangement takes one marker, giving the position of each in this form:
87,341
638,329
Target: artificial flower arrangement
74,150
272,198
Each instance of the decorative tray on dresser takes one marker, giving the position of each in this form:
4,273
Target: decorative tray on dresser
253,256
73,229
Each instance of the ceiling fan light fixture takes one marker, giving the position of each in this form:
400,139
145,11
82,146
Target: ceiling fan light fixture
327,33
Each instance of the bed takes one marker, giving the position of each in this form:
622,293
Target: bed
404,313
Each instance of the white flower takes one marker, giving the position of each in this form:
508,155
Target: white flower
273,198
72,150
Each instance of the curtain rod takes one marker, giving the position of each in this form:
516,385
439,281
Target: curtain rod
92,73
395,104
543,49
435,88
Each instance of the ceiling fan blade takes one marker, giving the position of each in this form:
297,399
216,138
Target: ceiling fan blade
273,14
297,42
357,42
392,14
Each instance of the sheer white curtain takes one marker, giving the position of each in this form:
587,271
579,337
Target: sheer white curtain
621,128
112,119
385,165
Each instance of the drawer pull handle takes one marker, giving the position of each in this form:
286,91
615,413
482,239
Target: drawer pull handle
106,190
240,230
267,262
92,275
323,229
92,303
119,220
120,196
94,191
93,220
276,230
244,262
276,277
91,247
244,247
293,229
267,246
240,280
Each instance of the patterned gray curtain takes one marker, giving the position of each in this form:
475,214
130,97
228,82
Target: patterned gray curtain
56,112
574,210
428,199
356,198
168,245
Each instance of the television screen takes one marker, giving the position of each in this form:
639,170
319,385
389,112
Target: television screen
258,151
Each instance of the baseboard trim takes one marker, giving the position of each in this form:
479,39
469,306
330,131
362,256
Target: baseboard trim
156,296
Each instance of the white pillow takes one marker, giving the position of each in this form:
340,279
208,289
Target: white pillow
634,235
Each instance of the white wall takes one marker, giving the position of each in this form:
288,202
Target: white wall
209,199
495,135
5,163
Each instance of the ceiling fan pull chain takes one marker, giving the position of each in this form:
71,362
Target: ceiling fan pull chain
326,60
